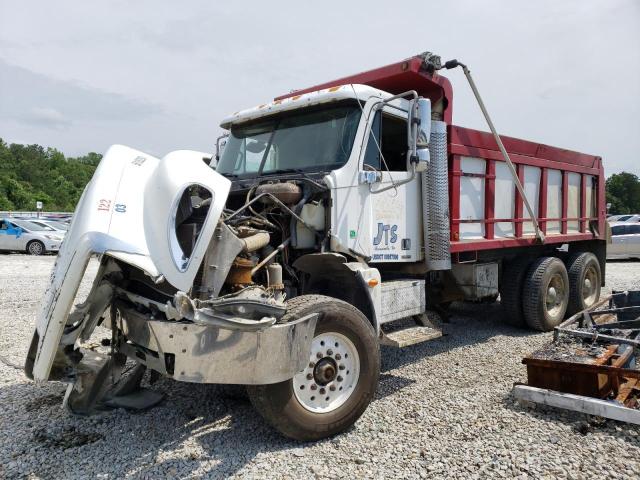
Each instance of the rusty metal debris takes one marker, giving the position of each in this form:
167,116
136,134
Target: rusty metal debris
591,365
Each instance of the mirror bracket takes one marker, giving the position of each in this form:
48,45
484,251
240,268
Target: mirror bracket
370,177
418,133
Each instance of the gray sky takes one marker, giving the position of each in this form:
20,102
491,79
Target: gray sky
160,75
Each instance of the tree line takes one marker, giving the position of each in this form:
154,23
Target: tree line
30,173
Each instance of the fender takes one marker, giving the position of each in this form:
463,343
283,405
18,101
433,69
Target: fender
354,282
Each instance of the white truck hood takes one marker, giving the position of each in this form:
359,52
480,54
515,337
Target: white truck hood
127,211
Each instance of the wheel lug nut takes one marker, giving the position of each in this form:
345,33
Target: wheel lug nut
329,352
339,378
332,388
311,364
309,376
322,391
341,367
319,354
314,387
338,356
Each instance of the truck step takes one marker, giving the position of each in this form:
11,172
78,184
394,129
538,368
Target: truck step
409,335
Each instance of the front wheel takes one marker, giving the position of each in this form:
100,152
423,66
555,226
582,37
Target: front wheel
338,383
35,247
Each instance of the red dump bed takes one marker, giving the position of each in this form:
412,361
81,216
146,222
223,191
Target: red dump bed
565,188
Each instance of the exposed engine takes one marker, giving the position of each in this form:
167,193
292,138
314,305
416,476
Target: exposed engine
264,228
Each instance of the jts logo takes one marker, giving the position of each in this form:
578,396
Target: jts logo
386,232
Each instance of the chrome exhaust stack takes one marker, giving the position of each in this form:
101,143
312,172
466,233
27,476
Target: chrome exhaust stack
435,201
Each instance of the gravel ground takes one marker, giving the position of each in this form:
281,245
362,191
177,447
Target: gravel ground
442,408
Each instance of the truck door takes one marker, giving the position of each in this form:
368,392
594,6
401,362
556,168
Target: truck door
395,220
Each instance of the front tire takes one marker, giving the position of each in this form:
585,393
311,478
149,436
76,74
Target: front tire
35,247
339,382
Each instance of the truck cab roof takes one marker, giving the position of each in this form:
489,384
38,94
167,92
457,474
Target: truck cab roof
303,100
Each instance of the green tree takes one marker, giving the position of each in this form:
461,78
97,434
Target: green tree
30,173
623,193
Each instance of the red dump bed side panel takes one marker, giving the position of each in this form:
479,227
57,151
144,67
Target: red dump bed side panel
582,179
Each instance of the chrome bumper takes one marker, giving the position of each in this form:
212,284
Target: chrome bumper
195,353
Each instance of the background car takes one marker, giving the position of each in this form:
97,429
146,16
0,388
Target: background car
26,236
625,240
56,225
629,217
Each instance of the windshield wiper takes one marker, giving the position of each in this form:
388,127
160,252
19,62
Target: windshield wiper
284,170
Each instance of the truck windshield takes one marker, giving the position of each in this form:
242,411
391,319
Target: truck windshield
316,140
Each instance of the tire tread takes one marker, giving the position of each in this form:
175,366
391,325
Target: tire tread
532,291
512,283
575,267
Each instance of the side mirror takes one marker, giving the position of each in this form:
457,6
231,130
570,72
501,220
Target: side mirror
221,142
419,131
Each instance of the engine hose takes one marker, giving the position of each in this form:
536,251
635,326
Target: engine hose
256,241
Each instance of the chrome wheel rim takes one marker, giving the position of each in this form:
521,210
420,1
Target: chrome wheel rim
35,248
590,286
555,295
331,375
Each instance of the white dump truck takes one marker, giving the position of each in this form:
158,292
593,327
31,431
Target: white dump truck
337,218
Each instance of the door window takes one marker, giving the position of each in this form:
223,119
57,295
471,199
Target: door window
618,230
390,134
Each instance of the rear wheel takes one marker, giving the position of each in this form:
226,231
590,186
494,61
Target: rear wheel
585,280
545,295
511,283
35,247
337,384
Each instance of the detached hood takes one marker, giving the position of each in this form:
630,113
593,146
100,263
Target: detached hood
127,211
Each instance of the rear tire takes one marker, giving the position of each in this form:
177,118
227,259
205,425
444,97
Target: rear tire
35,247
545,295
585,280
290,407
511,284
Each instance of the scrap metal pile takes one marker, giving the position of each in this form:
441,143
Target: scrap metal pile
591,365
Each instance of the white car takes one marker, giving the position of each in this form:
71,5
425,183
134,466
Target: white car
625,240
624,218
26,236
55,224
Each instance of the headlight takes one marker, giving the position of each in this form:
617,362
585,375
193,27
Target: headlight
54,238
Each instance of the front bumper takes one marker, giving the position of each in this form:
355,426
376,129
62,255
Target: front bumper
52,245
196,353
